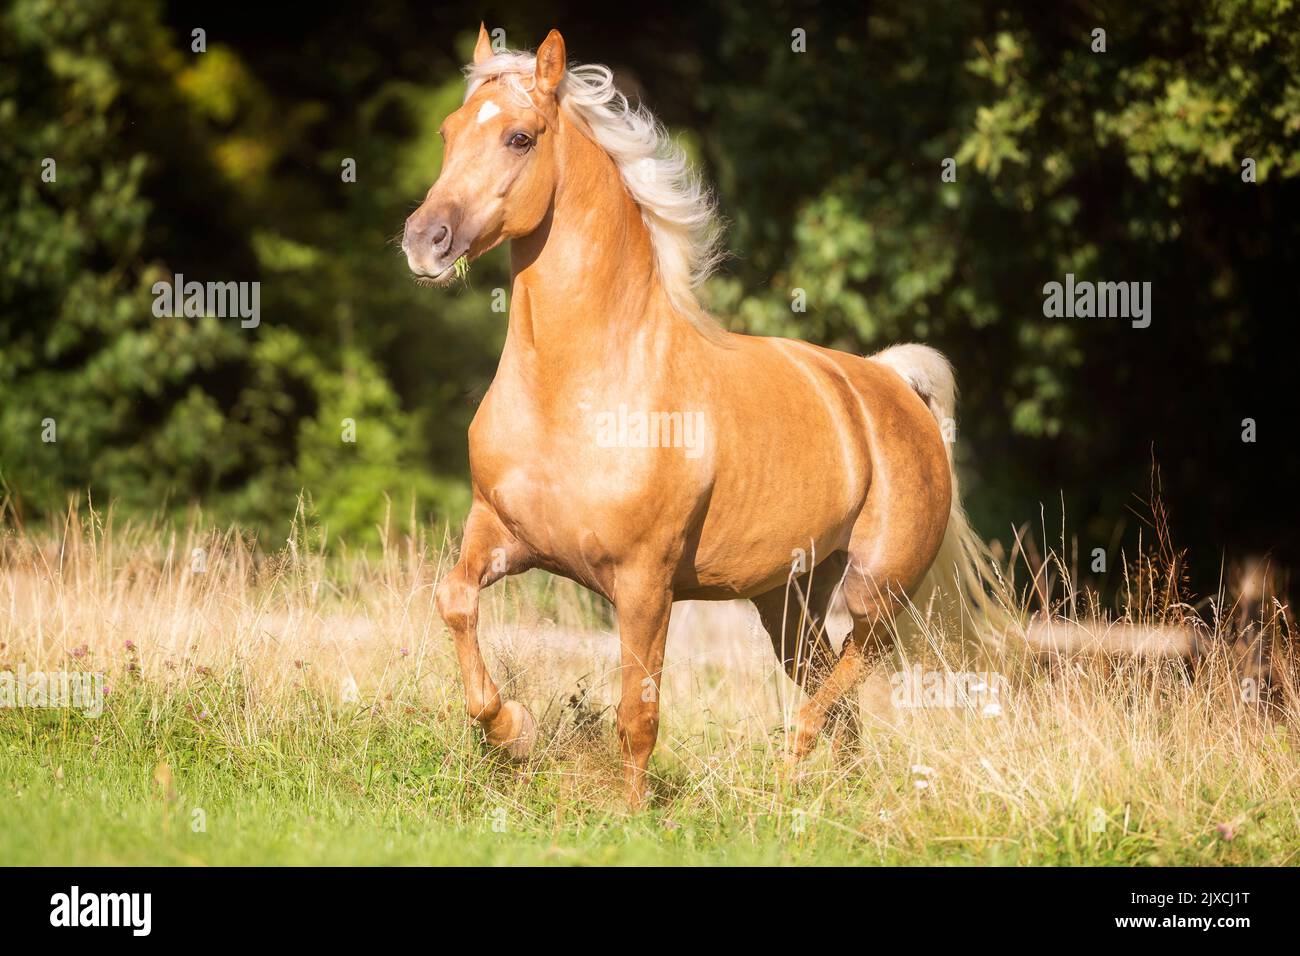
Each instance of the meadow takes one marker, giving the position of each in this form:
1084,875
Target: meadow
299,703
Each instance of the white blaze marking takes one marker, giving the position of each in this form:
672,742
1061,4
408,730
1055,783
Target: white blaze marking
487,111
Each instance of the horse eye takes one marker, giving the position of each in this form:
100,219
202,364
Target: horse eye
520,141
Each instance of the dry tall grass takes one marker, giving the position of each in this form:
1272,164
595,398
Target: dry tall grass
1093,748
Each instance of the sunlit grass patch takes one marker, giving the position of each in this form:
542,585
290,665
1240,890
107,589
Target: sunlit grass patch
301,707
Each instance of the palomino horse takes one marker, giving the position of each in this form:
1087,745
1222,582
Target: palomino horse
630,443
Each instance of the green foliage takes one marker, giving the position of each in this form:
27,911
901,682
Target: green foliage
1123,165
98,394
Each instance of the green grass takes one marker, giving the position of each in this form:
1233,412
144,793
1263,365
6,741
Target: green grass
310,707
403,787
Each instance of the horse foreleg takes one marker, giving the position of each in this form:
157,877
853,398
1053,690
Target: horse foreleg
643,613
488,553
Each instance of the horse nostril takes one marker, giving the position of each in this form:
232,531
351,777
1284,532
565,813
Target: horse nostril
441,238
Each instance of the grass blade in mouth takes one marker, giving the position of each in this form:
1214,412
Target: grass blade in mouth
462,267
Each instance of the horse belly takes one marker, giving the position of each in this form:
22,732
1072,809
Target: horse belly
793,469
763,522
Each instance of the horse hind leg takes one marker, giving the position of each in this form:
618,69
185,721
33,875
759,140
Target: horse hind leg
872,603
794,616
887,558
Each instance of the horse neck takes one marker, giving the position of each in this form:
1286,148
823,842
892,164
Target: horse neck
585,294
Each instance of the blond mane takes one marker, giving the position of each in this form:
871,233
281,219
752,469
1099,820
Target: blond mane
676,206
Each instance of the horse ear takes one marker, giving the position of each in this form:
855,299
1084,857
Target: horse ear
550,63
483,48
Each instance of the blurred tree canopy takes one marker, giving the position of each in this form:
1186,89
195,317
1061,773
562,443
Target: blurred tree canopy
1122,165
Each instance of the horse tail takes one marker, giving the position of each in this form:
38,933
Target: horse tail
963,582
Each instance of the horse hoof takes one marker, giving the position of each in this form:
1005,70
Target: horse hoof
799,744
519,731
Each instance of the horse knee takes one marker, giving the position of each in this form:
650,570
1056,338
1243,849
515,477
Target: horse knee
456,601
638,725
